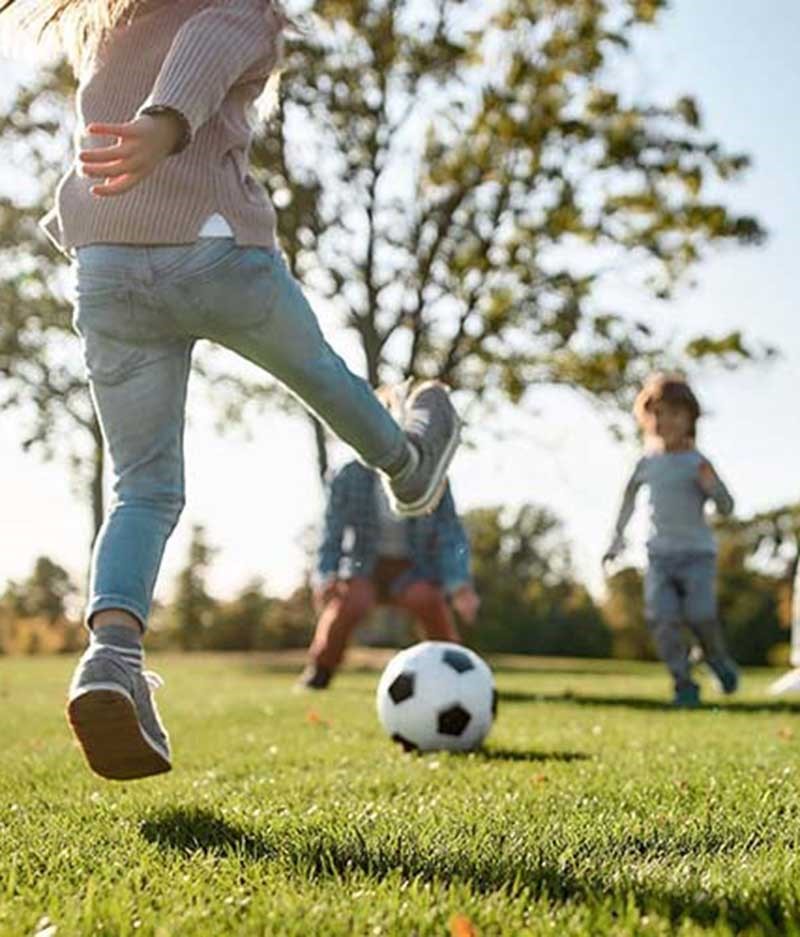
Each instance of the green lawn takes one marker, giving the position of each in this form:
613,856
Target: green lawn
595,810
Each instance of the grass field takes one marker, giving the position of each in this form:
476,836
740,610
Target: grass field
595,810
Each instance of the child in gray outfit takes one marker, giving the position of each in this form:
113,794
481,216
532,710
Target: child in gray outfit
680,582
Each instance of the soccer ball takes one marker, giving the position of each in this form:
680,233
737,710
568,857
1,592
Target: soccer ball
437,695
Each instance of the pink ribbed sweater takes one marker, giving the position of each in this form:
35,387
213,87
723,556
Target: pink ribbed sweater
208,59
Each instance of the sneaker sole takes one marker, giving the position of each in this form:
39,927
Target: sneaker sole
429,501
116,747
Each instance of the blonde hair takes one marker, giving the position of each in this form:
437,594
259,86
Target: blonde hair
671,388
77,26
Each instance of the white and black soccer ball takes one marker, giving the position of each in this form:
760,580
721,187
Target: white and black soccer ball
437,695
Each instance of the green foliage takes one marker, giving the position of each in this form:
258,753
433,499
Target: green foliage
770,539
44,594
197,620
530,601
193,608
751,599
458,181
254,621
41,371
596,810
623,610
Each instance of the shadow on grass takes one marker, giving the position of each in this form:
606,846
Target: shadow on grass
315,854
642,702
195,829
513,754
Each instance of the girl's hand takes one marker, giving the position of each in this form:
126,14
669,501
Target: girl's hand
141,144
706,476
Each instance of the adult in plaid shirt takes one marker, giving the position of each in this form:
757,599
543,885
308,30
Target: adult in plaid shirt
370,557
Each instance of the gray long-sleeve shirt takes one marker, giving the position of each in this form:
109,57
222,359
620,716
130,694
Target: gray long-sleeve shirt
677,503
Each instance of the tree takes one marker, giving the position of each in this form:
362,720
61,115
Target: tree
240,625
623,610
530,601
759,563
44,594
193,609
769,540
749,603
41,373
459,179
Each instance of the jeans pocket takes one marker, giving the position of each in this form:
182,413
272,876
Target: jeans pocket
112,346
101,270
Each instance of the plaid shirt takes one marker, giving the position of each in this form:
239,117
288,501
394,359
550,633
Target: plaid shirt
438,545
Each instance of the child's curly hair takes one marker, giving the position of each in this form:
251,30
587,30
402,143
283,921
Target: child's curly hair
667,387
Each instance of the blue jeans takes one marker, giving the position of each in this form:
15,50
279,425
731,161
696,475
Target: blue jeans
680,589
139,311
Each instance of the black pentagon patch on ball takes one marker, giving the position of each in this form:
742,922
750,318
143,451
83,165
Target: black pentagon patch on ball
453,720
495,701
458,660
404,743
402,687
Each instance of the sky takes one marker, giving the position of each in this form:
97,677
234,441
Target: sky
257,496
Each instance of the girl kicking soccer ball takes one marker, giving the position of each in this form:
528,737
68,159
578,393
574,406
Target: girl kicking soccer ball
173,241
680,583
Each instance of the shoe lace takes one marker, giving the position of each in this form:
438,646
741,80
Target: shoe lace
152,679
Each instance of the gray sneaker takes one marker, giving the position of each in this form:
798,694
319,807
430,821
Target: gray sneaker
434,428
113,716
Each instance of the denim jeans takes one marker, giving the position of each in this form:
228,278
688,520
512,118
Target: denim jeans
680,589
139,311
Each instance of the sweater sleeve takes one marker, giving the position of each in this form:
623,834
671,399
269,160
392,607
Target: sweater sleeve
211,51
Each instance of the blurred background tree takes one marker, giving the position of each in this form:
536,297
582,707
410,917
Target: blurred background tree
758,563
623,610
45,593
463,180
193,608
530,600
41,374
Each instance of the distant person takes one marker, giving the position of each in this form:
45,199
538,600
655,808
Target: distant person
174,241
369,557
680,582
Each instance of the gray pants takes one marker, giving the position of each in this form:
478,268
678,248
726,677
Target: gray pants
680,589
